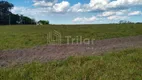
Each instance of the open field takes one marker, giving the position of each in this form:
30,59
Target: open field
20,36
115,55
58,52
71,40
121,65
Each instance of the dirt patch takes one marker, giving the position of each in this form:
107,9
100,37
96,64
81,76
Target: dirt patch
56,52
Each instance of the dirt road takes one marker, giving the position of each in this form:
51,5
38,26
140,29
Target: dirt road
56,52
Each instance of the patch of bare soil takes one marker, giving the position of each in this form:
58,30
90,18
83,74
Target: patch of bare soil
57,52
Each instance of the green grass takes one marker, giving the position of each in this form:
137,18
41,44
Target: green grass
20,36
122,65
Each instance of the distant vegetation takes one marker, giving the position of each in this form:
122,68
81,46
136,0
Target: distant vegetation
125,22
128,22
8,18
122,65
43,22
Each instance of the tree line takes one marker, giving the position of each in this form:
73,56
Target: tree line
8,18
128,22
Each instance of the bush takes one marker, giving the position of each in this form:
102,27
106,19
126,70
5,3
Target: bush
43,22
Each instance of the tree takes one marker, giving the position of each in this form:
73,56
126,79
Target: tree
20,19
27,20
43,22
14,19
5,13
125,22
7,17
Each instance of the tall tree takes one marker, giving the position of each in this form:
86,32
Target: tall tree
5,13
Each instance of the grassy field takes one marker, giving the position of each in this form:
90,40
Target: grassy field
122,65
12,37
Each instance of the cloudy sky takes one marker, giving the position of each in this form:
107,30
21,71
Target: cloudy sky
80,11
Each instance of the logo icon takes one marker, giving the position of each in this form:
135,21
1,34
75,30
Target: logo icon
54,37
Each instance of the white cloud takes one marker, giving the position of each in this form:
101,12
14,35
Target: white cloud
18,9
93,5
36,13
103,5
25,10
76,8
110,10
107,13
124,3
61,7
85,19
134,13
56,8
52,5
113,12
44,3
98,4
115,17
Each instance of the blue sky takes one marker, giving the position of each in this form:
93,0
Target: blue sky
80,11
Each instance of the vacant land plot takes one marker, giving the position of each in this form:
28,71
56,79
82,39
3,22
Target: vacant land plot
51,62
122,65
58,52
20,36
